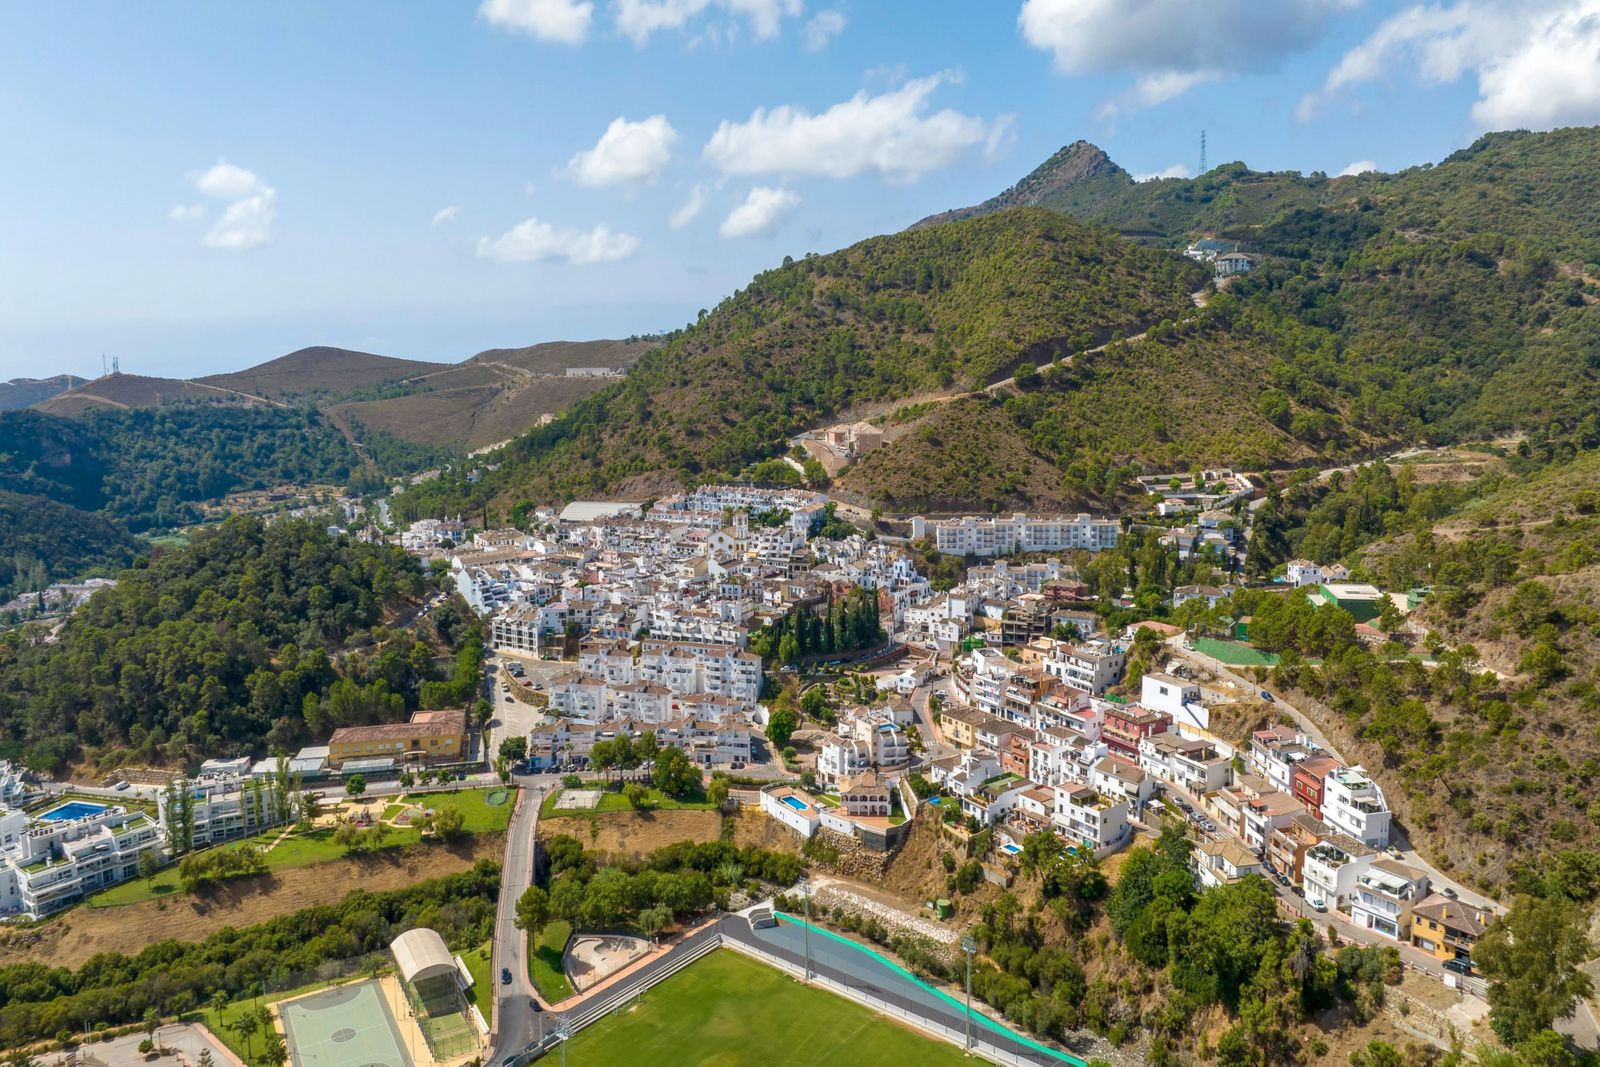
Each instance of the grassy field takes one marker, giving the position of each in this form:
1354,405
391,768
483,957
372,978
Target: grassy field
305,849
478,965
544,963
728,1009
655,800
1234,655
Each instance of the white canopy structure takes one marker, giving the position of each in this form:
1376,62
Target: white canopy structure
422,954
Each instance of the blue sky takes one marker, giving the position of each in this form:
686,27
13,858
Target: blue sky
196,187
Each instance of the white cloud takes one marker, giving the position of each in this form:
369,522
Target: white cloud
187,212
246,224
247,220
823,27
890,134
534,240
689,210
557,21
1360,166
762,212
445,214
1177,170
1537,62
227,182
638,19
628,153
1171,46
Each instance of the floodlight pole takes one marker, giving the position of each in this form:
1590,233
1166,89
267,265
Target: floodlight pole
805,895
968,947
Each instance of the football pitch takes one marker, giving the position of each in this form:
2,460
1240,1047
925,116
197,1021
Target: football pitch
728,1009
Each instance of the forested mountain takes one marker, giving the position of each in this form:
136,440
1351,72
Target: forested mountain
42,541
151,467
1441,303
941,309
251,637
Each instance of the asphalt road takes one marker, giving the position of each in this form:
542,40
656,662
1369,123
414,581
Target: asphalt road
515,1023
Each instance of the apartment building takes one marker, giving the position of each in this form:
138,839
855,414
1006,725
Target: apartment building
1089,818
1384,896
1353,804
700,668
1127,725
1274,752
973,536
1192,765
1089,666
1329,870
68,853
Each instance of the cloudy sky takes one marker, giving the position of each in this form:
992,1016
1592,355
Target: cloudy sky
196,187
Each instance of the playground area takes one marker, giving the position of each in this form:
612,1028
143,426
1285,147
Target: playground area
347,1026
592,958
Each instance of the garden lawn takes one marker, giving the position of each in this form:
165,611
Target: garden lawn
305,849
544,962
1234,655
478,965
655,800
728,1009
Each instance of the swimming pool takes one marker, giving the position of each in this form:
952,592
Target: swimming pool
72,809
1009,849
796,803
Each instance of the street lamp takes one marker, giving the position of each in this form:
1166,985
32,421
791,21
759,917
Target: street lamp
968,947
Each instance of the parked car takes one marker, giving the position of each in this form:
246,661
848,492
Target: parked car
1297,891
1318,904
1450,892
1458,966
1266,696
122,785
505,976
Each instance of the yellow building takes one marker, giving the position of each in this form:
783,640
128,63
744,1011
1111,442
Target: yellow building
1446,929
959,726
430,735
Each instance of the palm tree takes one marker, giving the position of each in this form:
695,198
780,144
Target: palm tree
246,1026
152,1023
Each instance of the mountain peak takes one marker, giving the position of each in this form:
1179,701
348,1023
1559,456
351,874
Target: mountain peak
1080,170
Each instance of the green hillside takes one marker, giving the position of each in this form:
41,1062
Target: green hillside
42,541
151,467
1443,303
251,637
929,312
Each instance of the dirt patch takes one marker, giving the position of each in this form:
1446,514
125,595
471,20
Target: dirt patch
754,829
635,833
82,932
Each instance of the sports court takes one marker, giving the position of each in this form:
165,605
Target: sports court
348,1026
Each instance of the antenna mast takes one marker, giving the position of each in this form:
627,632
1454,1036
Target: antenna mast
1202,152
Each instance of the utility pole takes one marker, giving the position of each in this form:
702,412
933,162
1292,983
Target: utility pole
1202,153
968,947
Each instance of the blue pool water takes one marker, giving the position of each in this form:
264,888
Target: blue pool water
1010,849
796,803
73,809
